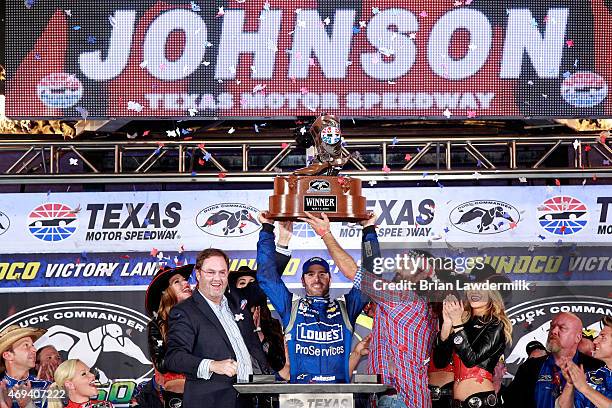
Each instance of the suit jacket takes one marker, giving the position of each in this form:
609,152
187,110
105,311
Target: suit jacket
195,333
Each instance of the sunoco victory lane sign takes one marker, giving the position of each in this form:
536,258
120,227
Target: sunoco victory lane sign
286,58
119,240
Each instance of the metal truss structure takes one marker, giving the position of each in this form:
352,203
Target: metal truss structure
260,159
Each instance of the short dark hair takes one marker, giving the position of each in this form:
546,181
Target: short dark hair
209,253
607,321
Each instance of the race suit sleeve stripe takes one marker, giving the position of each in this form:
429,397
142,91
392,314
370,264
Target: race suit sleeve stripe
268,277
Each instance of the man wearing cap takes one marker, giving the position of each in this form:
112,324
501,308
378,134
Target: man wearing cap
17,358
535,349
318,330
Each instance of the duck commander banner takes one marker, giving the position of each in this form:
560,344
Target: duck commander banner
83,241
463,58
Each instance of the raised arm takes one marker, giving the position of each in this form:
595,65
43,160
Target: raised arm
342,259
267,275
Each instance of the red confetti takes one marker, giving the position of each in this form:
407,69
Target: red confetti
188,138
341,180
603,136
386,169
587,148
408,157
557,182
563,228
201,162
146,132
221,175
423,14
284,145
154,252
124,257
570,43
160,144
471,114
201,146
513,225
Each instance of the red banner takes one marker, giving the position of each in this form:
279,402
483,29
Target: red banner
283,59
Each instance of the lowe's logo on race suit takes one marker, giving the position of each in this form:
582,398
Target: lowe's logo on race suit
321,333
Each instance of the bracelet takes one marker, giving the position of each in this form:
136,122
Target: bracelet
325,234
282,246
458,326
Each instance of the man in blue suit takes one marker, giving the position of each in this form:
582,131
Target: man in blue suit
211,338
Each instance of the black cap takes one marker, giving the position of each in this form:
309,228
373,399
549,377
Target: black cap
534,345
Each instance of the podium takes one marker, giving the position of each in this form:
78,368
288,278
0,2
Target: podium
311,395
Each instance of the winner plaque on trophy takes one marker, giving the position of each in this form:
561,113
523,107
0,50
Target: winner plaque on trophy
319,188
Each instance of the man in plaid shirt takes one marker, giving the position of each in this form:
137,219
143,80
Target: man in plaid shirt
403,331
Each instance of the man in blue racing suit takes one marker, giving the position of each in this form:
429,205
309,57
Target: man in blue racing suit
318,330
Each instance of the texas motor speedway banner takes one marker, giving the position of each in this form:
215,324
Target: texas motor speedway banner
119,240
467,58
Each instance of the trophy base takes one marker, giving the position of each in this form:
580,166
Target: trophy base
338,197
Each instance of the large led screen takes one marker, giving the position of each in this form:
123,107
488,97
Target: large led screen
258,58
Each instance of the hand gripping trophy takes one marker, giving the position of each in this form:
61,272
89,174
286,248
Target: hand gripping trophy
319,187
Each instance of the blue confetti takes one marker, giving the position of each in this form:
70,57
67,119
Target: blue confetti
207,156
440,185
542,237
91,39
567,74
446,229
145,222
37,57
185,131
76,27
478,163
195,7
193,173
156,152
356,30
29,3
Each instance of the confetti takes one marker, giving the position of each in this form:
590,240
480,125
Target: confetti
567,74
284,145
83,112
173,133
327,21
232,130
133,136
91,39
29,3
304,90
394,141
375,10
476,175
446,229
73,161
603,136
135,106
146,133
221,175
192,111
154,252
576,144
542,237
76,27
587,148
220,12
386,169
112,21
523,179
356,30
423,13
207,156
362,24
570,43
372,183
195,7
447,113
408,157
557,182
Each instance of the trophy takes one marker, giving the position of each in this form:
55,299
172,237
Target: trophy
319,187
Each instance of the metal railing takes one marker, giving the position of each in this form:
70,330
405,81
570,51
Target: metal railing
259,160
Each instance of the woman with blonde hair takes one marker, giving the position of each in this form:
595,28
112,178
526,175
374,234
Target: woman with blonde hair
474,336
74,382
